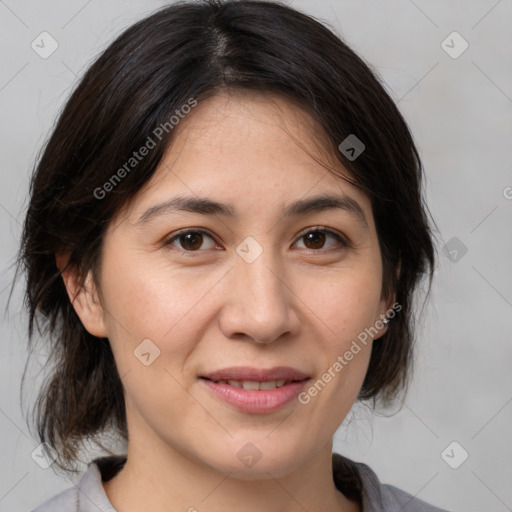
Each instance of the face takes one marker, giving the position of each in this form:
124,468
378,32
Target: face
188,292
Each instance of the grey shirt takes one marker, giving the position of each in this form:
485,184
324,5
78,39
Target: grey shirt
354,479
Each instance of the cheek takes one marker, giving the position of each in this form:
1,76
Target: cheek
148,295
349,306
149,302
347,302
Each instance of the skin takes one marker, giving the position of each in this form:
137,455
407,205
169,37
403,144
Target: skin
300,303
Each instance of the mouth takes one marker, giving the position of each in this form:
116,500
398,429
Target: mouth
253,390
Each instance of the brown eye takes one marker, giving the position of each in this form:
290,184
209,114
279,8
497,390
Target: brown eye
190,240
316,238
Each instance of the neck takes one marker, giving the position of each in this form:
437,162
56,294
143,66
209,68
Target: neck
160,479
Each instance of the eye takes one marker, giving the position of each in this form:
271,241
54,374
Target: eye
190,240
316,237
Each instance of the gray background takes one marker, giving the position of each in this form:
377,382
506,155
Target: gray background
460,111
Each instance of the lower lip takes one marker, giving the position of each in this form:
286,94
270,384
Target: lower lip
256,401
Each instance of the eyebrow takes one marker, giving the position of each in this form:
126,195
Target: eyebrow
206,206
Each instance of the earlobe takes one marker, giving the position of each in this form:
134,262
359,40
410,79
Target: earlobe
85,299
382,322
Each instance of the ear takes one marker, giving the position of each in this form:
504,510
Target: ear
85,299
384,307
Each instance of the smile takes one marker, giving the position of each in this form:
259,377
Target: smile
255,397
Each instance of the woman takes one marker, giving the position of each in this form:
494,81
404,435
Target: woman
223,241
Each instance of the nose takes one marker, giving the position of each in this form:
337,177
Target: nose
260,305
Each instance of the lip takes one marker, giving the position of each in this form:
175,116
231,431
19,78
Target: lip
255,401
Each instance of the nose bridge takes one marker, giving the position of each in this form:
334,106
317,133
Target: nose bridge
260,305
261,278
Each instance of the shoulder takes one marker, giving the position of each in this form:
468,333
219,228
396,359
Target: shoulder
406,502
375,496
88,495
65,501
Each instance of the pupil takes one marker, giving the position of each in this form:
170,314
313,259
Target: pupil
191,237
315,236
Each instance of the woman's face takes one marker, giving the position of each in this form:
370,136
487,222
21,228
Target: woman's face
254,287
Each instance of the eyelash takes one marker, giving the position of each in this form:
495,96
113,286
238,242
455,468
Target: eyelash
317,229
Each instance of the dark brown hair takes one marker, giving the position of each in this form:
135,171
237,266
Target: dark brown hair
194,50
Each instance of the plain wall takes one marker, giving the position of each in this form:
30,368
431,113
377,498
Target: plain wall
460,112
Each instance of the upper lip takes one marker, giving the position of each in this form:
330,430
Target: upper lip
256,374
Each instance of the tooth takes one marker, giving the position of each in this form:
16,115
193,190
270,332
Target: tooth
221,382
280,383
235,383
250,385
271,384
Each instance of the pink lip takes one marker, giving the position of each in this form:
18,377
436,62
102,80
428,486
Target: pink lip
256,401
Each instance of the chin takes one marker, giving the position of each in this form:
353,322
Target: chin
259,459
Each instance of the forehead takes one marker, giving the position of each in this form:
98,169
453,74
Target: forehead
255,150
254,123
